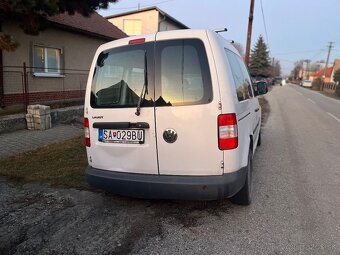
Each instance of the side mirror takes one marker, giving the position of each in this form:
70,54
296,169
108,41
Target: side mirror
255,88
262,88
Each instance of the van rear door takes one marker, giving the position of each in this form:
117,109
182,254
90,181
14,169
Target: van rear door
186,108
123,138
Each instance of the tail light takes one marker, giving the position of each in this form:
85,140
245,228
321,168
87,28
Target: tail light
87,132
227,131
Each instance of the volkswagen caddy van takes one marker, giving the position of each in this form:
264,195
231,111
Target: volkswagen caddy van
171,115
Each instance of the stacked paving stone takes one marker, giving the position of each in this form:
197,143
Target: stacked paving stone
38,117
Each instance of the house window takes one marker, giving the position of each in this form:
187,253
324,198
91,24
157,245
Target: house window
46,60
132,26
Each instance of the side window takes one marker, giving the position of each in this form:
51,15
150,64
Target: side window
183,76
246,76
240,75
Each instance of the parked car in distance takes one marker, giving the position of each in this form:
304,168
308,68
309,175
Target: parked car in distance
307,83
172,115
277,80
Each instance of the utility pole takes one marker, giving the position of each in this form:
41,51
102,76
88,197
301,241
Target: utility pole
307,68
250,26
330,46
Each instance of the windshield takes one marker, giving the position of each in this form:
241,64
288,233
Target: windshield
119,78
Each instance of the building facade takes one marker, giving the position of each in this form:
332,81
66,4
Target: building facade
145,21
54,64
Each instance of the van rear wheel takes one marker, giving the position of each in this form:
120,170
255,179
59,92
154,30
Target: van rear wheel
243,197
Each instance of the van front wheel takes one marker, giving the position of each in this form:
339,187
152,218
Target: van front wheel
243,197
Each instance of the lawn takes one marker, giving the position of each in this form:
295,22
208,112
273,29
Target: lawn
332,95
265,109
59,164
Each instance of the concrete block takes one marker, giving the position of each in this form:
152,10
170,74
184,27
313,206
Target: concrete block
30,121
38,109
38,117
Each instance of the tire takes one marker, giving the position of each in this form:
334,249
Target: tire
243,197
259,140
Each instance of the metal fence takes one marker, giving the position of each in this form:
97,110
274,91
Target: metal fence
329,87
24,85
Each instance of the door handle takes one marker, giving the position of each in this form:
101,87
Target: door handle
139,125
121,125
257,109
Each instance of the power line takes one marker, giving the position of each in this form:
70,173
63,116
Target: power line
317,54
265,26
142,6
285,60
337,41
296,52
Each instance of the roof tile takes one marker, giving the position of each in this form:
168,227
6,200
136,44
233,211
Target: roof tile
321,72
94,24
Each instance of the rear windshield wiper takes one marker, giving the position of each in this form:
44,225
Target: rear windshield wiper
145,85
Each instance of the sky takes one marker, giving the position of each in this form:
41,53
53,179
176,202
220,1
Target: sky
293,29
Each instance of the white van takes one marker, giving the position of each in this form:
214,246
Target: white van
171,115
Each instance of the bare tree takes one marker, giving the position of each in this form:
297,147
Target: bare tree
239,48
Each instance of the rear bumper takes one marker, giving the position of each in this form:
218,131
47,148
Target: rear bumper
167,186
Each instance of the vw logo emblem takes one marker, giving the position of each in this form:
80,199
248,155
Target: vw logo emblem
170,135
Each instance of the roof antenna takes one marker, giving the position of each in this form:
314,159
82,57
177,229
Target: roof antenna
221,30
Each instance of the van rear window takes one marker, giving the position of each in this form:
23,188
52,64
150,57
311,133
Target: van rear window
119,78
178,75
182,73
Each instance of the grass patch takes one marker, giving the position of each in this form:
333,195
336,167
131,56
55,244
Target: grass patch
60,164
265,109
333,95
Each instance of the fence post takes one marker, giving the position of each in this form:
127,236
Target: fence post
27,101
2,91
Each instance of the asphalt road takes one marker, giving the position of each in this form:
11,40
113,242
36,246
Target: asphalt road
295,210
329,105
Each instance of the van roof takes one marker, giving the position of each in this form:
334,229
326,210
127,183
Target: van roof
172,34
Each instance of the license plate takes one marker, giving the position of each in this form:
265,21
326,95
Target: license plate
135,136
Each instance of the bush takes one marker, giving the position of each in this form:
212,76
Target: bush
316,84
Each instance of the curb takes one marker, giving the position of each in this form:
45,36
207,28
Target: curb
15,122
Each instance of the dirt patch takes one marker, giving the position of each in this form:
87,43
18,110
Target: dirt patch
265,109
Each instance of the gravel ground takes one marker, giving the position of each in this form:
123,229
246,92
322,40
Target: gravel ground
38,219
